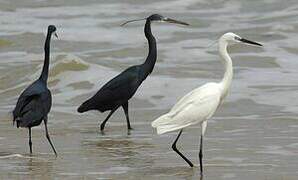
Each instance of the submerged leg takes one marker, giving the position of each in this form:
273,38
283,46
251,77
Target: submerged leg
180,154
30,141
102,125
48,136
125,108
204,126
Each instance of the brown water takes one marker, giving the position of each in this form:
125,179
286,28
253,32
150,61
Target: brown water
254,135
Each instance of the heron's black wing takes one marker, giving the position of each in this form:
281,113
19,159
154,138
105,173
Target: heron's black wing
32,103
35,89
128,75
36,110
123,86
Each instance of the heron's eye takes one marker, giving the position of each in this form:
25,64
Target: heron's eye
237,38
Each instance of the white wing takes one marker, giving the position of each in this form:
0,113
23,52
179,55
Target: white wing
197,106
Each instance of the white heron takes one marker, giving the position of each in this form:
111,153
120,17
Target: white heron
200,104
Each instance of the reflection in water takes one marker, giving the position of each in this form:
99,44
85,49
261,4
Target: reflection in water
28,167
38,168
123,152
181,172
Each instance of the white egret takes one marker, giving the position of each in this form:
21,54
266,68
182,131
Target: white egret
200,104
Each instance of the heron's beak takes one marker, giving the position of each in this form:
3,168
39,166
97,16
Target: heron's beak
169,20
56,35
249,42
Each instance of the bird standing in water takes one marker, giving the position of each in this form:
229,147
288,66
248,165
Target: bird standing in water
35,102
200,104
118,91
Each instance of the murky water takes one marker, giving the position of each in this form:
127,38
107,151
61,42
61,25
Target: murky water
254,135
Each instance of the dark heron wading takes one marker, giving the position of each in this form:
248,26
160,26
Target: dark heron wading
121,88
35,102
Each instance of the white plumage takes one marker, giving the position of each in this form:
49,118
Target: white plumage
200,104
197,106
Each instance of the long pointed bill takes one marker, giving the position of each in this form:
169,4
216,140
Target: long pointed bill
132,21
55,34
249,42
169,20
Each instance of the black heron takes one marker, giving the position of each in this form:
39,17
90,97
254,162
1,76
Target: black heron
118,91
35,102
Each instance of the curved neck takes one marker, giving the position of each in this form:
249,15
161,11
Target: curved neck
227,61
148,65
45,69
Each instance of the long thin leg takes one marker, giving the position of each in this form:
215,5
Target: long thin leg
102,125
204,126
201,155
125,108
30,141
48,136
180,154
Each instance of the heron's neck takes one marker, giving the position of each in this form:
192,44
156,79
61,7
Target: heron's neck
227,61
148,65
45,69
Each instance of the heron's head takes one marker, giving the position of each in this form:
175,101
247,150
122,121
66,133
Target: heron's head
155,17
234,38
159,18
52,29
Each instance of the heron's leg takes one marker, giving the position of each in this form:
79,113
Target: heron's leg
30,141
180,154
204,126
48,136
102,125
125,108
201,155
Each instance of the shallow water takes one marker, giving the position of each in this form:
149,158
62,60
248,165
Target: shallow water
254,135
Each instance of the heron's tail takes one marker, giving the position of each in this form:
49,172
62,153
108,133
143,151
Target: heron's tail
161,124
159,121
86,106
166,124
17,120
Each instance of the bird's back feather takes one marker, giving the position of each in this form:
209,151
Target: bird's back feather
115,92
33,105
197,106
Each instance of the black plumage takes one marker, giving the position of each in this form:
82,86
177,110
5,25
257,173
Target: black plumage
118,91
35,102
